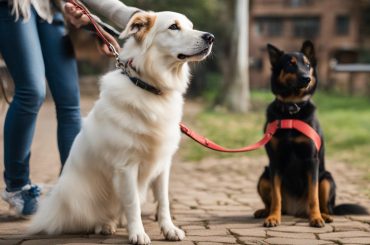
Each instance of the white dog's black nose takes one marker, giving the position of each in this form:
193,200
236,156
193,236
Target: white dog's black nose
209,38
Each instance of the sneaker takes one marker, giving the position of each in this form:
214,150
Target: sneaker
26,201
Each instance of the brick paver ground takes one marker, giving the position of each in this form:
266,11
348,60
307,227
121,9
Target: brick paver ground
213,201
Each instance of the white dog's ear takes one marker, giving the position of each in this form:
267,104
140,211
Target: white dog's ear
139,25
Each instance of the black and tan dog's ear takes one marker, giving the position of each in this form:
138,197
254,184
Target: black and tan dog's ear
309,51
139,25
274,54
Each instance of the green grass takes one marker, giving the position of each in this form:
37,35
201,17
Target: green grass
345,121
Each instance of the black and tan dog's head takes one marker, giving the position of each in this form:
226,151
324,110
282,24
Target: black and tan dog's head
293,74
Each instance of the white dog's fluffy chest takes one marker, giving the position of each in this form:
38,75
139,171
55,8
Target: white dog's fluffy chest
130,125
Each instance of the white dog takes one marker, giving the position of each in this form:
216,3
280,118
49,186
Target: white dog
128,139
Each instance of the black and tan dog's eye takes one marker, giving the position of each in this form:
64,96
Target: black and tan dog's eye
174,27
308,66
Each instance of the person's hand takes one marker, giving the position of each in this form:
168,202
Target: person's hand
103,47
75,16
78,19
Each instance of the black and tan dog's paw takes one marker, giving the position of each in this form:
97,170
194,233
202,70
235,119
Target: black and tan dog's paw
327,218
272,221
317,222
261,213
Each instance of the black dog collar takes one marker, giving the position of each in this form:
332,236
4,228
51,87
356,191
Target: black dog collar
291,108
143,85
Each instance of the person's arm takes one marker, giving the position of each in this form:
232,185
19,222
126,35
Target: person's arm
114,10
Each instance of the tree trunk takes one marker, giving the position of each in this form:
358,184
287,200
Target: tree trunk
236,94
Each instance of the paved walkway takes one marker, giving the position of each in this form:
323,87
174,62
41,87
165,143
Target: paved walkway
213,201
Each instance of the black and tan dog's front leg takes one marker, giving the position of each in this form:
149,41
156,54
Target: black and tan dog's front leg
274,217
326,196
315,216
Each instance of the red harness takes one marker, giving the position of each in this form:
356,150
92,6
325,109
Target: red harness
271,128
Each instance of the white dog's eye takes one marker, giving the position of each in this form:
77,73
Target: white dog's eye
174,27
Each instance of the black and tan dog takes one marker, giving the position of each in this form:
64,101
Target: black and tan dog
296,181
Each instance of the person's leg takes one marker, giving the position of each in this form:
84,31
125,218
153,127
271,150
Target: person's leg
62,76
21,50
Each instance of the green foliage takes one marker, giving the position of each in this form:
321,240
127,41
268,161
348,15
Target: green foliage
211,86
200,11
208,15
346,126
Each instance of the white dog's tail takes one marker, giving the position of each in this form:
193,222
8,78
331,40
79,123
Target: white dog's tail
65,209
48,219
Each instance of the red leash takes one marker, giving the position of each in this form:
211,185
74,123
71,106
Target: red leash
271,128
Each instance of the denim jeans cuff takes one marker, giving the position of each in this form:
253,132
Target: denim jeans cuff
12,186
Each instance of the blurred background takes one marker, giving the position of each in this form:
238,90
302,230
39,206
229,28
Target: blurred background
340,30
231,88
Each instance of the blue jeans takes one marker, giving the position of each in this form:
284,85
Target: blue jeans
33,51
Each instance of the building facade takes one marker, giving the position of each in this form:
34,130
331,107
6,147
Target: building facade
337,28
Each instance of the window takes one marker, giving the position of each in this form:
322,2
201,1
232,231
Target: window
298,3
271,27
346,56
268,2
342,25
306,27
365,21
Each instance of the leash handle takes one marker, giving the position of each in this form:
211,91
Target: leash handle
99,33
271,129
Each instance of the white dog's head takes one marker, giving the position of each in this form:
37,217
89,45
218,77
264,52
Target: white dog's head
160,45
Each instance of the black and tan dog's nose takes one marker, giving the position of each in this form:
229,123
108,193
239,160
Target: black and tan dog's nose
306,79
209,38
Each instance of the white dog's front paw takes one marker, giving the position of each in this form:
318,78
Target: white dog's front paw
140,238
172,233
106,229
